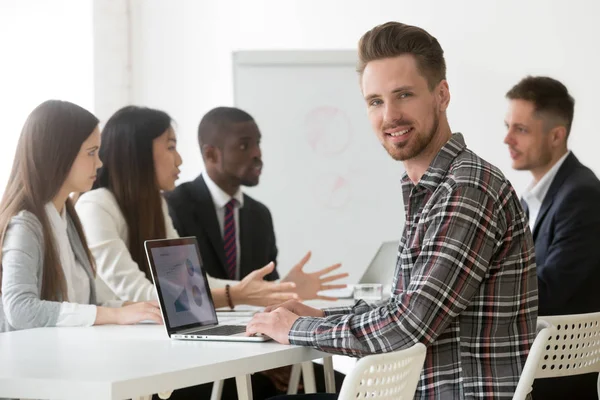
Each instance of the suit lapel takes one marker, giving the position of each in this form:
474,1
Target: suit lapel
245,214
205,212
563,172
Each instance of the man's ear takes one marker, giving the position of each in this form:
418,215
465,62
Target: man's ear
558,135
210,153
442,91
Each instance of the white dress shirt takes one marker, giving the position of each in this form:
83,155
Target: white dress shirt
77,311
536,192
220,199
118,276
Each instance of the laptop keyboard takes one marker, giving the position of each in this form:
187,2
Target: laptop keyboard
223,330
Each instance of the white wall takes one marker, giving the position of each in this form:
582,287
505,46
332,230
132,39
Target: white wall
182,57
47,53
112,56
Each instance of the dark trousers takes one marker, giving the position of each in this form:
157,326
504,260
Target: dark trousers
262,387
579,387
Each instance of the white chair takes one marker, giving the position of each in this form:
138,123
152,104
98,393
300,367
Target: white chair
566,345
536,354
387,376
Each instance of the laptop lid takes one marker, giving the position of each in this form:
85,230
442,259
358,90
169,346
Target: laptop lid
383,264
181,283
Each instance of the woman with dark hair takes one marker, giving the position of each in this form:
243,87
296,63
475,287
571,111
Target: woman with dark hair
46,271
126,208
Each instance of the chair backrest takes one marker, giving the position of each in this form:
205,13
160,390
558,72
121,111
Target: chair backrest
387,376
534,359
569,345
575,347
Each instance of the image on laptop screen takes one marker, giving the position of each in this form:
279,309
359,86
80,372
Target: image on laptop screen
183,286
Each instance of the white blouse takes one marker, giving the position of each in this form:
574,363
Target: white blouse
119,277
77,311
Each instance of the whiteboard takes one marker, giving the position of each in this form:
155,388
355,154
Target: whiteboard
330,185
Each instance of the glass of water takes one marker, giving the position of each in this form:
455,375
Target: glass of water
368,292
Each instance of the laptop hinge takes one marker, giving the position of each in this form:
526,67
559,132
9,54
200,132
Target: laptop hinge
190,330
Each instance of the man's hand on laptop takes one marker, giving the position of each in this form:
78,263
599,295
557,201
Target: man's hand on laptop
254,290
275,324
298,308
308,285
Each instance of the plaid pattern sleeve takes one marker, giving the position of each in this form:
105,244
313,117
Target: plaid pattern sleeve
358,308
453,257
465,285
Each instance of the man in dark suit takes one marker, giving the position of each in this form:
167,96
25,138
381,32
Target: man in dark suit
193,210
235,232
563,206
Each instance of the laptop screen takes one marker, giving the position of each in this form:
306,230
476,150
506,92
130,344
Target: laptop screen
181,283
381,269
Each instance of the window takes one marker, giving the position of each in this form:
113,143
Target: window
47,53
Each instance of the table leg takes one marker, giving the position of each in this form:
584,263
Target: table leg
308,377
329,375
294,379
217,390
244,387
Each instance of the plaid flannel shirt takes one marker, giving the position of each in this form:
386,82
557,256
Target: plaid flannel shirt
465,285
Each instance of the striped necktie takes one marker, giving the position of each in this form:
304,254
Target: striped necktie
229,239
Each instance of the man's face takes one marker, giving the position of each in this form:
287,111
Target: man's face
403,112
240,158
529,143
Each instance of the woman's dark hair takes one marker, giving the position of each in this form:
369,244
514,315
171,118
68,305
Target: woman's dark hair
129,173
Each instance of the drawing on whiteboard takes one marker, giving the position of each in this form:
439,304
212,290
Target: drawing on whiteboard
332,190
328,130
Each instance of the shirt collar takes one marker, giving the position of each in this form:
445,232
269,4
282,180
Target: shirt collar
540,189
438,168
220,198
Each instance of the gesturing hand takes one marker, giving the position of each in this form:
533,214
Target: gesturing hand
308,285
254,290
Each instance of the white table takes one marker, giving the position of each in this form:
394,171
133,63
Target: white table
119,362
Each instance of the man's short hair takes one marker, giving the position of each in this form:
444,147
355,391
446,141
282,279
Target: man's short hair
549,97
394,39
211,126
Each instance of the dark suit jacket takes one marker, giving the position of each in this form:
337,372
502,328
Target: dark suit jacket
193,212
567,249
567,242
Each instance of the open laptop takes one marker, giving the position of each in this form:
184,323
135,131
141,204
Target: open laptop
380,270
382,266
185,300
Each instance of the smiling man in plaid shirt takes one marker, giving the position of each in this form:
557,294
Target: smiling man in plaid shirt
465,283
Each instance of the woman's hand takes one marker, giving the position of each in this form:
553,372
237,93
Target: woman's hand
254,290
129,314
